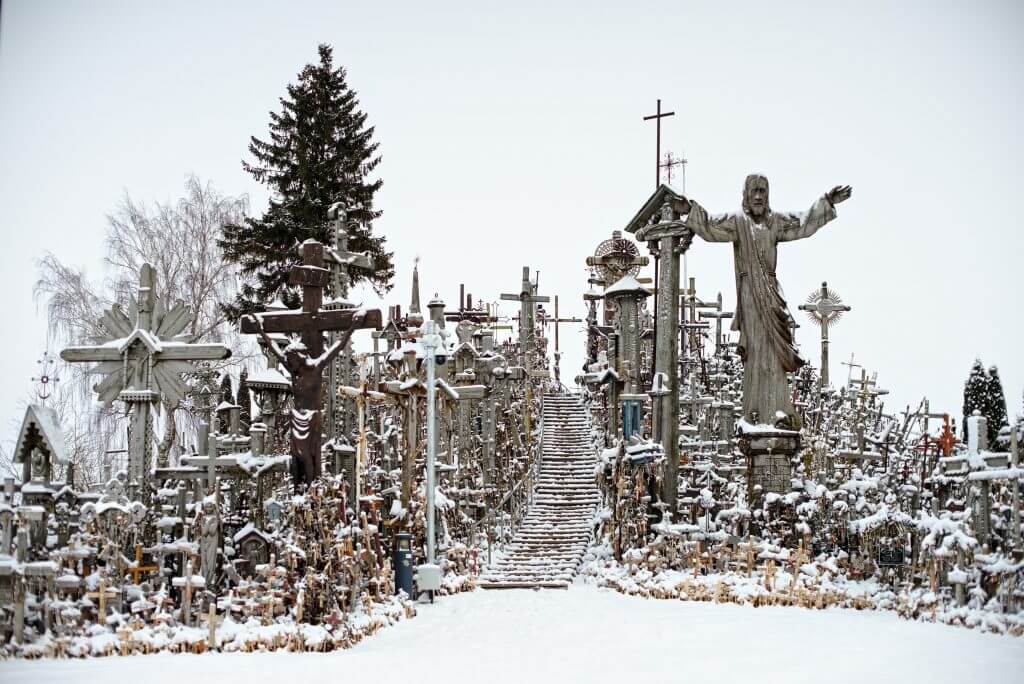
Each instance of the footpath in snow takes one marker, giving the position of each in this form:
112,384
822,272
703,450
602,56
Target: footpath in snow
589,635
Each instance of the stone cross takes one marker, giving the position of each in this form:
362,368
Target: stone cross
824,307
142,361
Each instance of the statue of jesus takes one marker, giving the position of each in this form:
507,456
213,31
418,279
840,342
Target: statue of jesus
766,338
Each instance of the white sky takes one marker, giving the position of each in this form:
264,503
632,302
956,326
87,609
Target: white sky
512,135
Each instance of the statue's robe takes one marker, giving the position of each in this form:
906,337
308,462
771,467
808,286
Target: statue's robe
762,319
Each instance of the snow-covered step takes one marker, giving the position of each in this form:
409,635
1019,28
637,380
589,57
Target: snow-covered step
552,538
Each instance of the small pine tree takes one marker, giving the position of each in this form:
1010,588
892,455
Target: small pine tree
320,151
227,392
995,405
975,392
245,401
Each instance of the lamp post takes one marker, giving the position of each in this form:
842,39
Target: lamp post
430,340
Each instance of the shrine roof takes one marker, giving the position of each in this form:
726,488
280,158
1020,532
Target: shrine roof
47,424
626,285
652,205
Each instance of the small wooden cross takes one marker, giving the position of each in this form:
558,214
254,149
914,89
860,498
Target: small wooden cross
101,594
213,621
138,568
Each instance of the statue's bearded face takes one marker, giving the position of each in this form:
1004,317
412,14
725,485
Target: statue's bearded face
755,197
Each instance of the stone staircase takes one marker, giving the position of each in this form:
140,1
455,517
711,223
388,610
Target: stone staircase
550,541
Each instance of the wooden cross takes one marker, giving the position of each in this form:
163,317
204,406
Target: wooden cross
658,116
528,299
362,395
850,366
339,257
138,568
718,314
212,621
142,362
101,594
311,322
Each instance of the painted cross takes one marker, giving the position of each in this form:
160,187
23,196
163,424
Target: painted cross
824,307
142,361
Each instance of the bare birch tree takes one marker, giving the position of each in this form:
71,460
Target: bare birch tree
179,239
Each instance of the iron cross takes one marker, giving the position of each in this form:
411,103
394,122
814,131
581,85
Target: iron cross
658,116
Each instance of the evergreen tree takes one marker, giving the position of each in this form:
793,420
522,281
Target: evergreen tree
995,406
227,393
245,401
975,393
319,151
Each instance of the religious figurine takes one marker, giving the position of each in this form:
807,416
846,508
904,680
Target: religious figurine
307,388
209,542
766,338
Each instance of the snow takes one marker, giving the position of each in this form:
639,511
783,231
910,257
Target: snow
586,634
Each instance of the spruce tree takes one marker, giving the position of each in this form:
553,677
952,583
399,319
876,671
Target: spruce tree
995,406
244,400
975,393
319,151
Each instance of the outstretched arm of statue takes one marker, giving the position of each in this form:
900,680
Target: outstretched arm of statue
806,224
271,345
336,348
713,228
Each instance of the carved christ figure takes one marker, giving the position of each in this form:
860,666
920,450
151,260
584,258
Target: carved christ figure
307,391
762,319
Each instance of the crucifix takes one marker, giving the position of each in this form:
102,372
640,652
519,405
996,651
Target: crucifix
850,366
824,307
306,360
658,116
142,362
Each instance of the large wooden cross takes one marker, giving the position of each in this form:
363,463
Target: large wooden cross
142,361
311,322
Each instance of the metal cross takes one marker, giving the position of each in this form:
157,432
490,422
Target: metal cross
658,116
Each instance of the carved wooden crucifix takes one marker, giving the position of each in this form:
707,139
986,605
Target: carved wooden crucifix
306,361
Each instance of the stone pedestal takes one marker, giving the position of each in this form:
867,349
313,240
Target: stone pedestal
768,453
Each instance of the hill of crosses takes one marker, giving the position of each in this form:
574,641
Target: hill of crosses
333,489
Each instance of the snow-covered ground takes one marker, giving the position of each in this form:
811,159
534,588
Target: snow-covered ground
588,634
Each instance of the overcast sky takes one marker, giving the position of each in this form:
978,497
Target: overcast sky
513,135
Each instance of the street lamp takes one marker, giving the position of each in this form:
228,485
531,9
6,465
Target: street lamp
430,573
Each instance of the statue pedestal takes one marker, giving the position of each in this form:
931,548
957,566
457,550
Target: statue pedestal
768,452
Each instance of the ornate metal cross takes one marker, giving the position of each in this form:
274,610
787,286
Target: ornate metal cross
824,306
